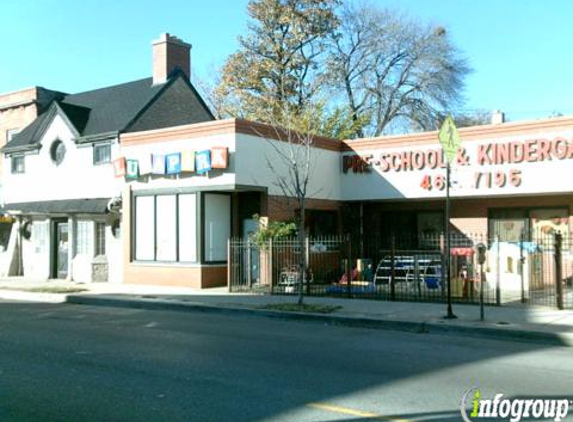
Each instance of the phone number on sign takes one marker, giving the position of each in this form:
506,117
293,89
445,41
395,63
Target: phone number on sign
482,179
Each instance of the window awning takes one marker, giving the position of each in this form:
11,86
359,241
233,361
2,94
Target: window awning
64,206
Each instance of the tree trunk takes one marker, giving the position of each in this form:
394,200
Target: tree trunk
302,249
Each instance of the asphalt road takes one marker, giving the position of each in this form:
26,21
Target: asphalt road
82,363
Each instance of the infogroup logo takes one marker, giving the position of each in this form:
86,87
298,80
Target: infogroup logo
512,409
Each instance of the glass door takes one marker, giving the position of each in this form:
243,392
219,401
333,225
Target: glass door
61,249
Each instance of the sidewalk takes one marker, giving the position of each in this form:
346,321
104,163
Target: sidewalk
543,325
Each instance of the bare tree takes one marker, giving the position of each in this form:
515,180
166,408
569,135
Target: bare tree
473,118
292,164
393,71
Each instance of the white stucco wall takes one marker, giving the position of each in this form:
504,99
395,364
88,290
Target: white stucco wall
259,163
75,177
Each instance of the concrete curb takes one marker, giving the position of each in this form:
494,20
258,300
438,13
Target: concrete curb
32,296
426,327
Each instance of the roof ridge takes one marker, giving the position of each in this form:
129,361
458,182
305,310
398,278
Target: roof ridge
106,87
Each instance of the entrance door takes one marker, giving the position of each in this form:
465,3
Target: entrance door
60,264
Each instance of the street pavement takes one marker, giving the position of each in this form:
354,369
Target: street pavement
64,362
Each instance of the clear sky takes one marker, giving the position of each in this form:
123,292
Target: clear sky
520,50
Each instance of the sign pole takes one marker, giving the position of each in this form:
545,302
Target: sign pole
450,312
450,141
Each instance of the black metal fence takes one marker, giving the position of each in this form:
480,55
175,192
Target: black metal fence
537,271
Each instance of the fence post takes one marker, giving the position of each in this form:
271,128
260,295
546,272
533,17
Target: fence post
270,264
417,276
498,273
307,266
348,268
559,270
229,264
481,287
392,268
249,263
443,263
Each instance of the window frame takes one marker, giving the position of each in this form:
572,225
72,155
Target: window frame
58,152
99,238
101,146
198,238
82,245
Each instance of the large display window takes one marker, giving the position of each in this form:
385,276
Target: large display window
165,228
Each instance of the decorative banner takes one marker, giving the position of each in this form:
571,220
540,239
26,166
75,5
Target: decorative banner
158,164
219,158
132,169
145,164
188,161
203,161
119,167
173,163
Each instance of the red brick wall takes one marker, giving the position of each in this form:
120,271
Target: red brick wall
280,208
17,110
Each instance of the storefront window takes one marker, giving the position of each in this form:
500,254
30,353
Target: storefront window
145,228
166,228
430,226
508,225
188,227
549,221
321,223
217,229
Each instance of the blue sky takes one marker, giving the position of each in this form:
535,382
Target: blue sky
520,50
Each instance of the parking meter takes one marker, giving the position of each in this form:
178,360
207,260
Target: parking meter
481,249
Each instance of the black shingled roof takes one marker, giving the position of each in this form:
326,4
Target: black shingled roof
100,111
112,108
88,206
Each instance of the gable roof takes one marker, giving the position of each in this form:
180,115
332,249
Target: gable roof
104,111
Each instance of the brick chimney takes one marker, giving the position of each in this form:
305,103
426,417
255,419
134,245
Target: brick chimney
170,52
497,117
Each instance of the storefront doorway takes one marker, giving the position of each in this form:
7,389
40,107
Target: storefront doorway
61,249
